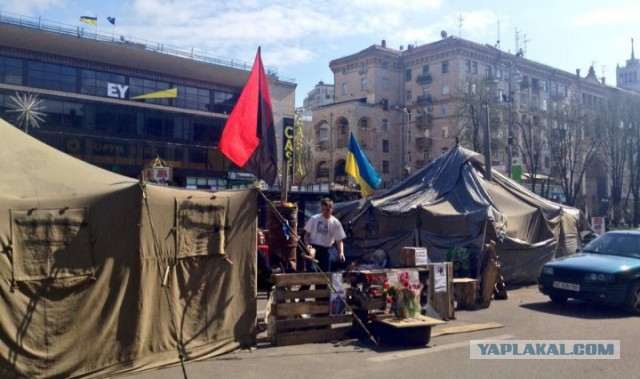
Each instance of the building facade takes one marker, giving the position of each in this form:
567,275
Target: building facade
628,76
119,104
404,105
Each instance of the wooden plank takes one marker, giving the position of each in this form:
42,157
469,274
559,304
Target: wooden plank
283,294
300,308
284,280
311,336
284,325
440,331
442,302
408,322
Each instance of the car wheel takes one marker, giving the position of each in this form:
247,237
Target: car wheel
633,298
558,299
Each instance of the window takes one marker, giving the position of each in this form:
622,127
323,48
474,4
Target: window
385,65
544,86
408,96
345,89
498,73
487,72
407,75
474,68
467,65
445,67
51,76
344,71
363,84
425,69
544,104
10,70
385,125
385,84
385,146
445,89
445,110
385,167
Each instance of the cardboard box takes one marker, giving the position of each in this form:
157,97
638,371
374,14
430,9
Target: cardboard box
413,256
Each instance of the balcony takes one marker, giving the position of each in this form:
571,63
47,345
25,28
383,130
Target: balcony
424,100
424,121
424,79
424,142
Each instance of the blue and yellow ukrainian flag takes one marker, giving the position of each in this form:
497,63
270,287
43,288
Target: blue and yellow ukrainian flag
359,167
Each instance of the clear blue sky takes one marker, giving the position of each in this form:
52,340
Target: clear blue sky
300,37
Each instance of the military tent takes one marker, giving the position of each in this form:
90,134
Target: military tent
101,274
449,203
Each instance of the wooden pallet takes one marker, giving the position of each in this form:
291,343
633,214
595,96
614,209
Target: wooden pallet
302,313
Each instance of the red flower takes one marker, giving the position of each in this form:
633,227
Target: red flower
405,283
374,292
389,300
387,284
370,278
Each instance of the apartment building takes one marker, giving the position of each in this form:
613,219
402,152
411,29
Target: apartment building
403,104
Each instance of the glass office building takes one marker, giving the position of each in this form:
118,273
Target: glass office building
120,104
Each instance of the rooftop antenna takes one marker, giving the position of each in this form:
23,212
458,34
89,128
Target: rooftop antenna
460,22
498,40
524,42
633,56
517,40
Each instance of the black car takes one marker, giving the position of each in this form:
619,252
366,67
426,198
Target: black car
607,270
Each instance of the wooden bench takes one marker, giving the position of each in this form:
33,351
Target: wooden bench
414,331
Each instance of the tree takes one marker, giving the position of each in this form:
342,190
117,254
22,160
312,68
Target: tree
573,142
614,150
633,161
530,144
474,92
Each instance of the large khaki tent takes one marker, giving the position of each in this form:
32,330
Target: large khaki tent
449,204
85,254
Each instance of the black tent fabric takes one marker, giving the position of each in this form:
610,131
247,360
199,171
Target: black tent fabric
450,204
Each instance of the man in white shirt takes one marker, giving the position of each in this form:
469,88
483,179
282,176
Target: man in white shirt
321,231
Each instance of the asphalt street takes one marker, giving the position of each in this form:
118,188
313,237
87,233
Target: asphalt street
526,315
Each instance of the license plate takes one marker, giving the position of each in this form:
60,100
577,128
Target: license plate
567,286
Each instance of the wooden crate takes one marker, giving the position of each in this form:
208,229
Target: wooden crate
302,316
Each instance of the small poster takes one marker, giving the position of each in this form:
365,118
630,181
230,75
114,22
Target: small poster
439,277
337,297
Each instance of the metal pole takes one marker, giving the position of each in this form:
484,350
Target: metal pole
510,123
331,149
487,142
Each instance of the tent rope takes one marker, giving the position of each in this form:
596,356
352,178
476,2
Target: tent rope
164,274
307,256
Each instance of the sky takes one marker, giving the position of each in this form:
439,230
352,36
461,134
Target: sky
299,38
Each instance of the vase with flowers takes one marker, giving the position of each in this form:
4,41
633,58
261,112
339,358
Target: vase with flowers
402,295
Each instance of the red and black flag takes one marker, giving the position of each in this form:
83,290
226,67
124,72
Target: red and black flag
249,137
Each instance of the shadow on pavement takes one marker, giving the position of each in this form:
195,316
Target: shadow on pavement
578,309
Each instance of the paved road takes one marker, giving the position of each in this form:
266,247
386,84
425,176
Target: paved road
526,315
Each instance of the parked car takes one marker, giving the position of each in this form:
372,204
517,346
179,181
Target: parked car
607,270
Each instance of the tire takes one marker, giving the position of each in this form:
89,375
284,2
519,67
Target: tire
558,299
633,298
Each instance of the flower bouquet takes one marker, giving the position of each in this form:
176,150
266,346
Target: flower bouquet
402,294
